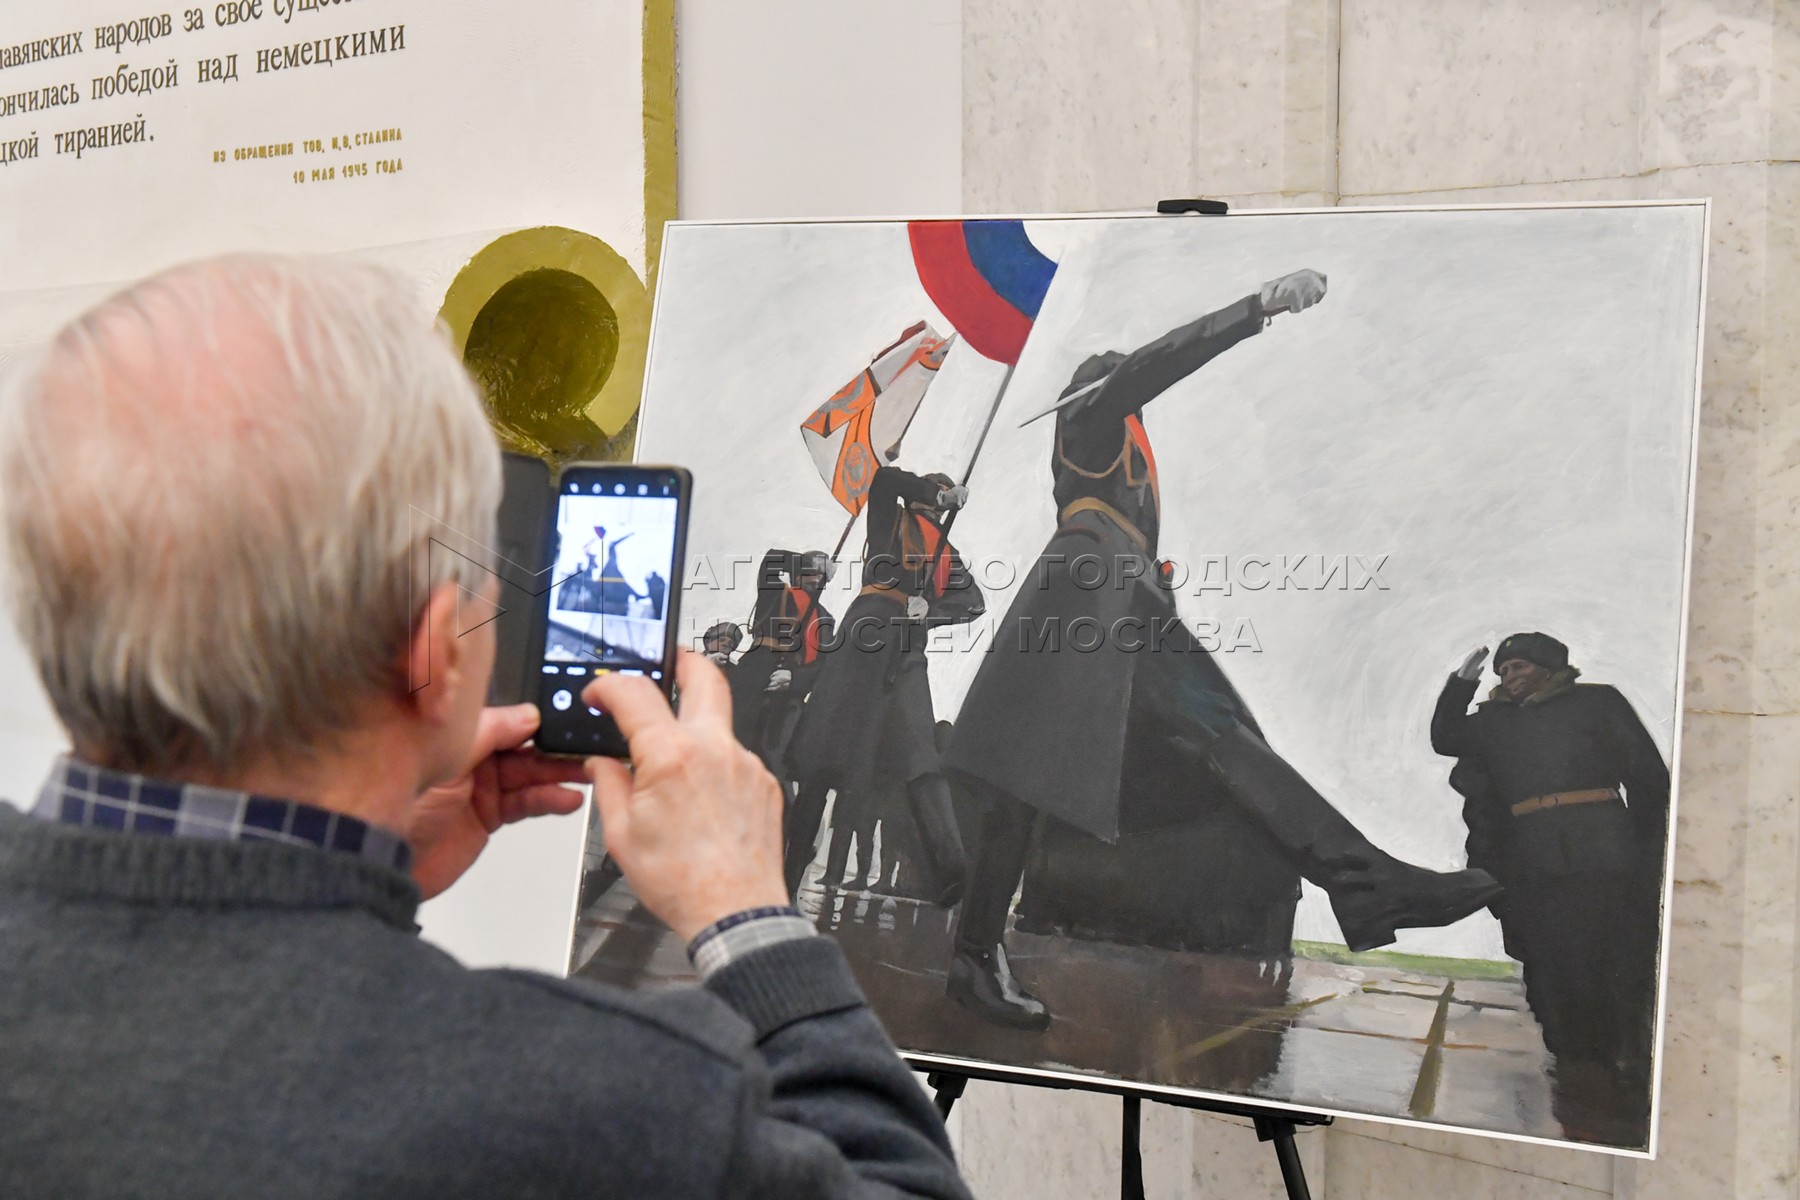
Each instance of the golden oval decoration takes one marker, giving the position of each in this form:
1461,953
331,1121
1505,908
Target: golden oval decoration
554,325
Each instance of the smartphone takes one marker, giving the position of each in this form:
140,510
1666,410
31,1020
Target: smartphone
618,542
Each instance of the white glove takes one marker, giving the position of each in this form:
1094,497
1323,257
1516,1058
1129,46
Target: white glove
1471,667
779,679
952,498
917,607
1291,293
720,658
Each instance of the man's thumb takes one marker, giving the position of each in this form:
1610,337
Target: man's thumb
504,728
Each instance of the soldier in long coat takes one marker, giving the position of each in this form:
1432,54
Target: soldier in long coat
869,719
788,630
1566,797
1144,729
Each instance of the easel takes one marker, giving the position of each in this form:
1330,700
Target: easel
1272,1124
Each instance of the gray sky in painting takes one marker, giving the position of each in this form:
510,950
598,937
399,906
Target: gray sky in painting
1499,402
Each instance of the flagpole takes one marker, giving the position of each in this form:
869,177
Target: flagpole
992,413
937,554
844,536
969,471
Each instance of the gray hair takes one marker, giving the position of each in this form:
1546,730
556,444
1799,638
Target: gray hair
227,493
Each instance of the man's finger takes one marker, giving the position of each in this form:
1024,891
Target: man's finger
612,794
525,768
632,701
705,696
541,800
502,729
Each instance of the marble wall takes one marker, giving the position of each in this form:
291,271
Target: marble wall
1106,104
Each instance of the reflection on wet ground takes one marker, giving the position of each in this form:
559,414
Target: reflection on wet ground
1376,1040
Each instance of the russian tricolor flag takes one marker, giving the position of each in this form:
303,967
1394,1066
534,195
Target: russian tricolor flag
986,277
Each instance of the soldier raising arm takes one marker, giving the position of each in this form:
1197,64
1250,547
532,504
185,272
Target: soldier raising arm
1567,803
1131,381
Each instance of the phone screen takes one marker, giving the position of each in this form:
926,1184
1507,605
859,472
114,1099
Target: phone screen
613,598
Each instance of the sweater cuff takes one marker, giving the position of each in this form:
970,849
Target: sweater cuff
724,941
789,981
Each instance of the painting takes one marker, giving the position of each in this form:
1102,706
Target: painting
1221,657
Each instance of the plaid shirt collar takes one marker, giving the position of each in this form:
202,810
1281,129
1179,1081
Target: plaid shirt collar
81,794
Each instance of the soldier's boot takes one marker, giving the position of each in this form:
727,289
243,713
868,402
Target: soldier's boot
1372,892
981,978
803,820
837,858
942,862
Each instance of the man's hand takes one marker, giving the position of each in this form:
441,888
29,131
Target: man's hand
1292,293
952,498
917,608
695,823
780,679
1471,666
450,824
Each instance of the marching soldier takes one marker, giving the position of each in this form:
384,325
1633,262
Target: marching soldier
788,629
1567,801
720,641
616,592
1145,729
870,718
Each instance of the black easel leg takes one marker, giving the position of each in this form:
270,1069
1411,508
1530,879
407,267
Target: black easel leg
1293,1174
1131,1156
946,1089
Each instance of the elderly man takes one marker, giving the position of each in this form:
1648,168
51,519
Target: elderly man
221,489
1567,803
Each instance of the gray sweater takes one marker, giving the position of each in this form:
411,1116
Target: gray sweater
199,1019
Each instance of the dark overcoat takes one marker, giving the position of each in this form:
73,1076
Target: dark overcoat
1582,906
869,717
782,639
1571,737
1092,685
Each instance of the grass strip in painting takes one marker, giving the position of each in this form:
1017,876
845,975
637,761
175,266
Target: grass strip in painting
1419,964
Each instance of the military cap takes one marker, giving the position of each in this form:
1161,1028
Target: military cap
1538,648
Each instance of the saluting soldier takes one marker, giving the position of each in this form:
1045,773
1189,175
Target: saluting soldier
870,718
1143,730
1566,797
788,629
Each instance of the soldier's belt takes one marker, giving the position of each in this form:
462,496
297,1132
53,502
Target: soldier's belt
1562,799
776,645
1091,504
884,589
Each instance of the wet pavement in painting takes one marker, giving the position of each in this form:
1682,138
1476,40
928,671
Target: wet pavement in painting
1380,1040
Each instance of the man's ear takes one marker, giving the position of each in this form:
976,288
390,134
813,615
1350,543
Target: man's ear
434,655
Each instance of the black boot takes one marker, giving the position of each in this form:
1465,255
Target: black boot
1372,893
982,980
852,819
942,863
804,817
